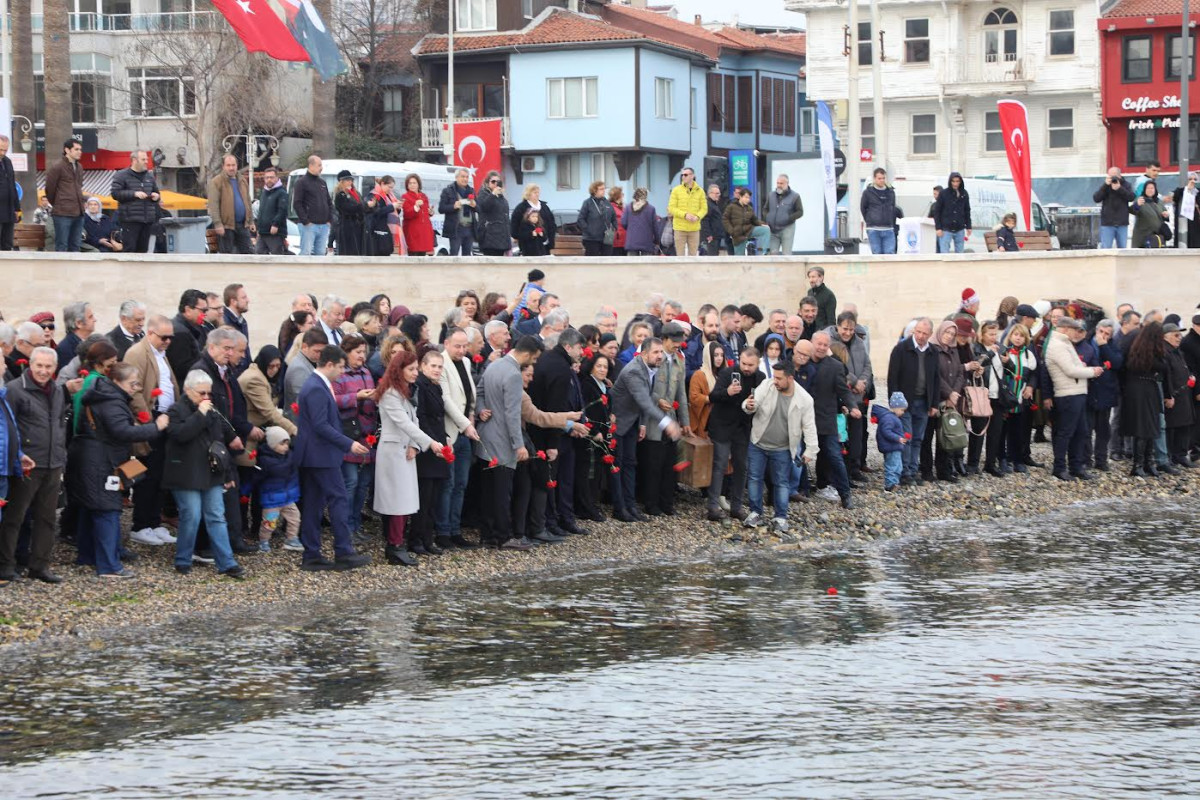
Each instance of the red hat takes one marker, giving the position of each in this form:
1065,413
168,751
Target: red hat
965,328
683,317
968,297
42,316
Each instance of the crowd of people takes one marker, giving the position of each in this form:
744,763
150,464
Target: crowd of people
508,416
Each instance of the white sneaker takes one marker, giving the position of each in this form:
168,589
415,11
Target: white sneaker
723,503
146,536
293,544
829,493
164,535
779,525
753,520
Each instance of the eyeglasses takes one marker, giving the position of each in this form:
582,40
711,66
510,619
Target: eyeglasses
203,310
494,183
166,338
48,326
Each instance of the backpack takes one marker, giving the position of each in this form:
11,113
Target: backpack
952,433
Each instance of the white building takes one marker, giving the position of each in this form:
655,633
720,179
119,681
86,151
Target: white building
127,95
945,66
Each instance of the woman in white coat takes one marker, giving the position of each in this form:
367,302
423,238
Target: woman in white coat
400,439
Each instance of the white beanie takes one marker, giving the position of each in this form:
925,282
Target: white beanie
276,436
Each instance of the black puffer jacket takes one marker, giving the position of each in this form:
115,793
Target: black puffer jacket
1114,203
96,452
491,229
189,436
952,210
125,186
312,200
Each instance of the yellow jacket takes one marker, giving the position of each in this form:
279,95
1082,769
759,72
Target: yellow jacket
687,201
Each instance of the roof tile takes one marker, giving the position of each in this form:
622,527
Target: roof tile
1148,8
559,27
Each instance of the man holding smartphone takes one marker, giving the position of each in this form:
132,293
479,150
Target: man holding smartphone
1114,198
729,430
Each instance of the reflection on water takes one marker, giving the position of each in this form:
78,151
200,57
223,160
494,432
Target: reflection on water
1054,658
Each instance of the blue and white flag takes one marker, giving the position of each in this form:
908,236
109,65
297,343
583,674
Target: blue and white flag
825,131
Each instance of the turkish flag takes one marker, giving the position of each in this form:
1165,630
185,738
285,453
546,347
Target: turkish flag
477,147
261,29
1014,125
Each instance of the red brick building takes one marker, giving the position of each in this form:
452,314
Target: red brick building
1140,61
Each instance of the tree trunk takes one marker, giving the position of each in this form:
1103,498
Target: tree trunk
56,50
324,100
23,102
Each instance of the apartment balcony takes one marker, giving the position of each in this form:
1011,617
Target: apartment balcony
136,23
433,131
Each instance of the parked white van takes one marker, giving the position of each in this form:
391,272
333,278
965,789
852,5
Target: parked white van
434,178
991,199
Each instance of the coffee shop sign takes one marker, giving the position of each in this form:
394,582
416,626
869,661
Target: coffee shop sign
1144,103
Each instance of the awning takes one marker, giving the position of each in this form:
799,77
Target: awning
106,202
174,201
96,182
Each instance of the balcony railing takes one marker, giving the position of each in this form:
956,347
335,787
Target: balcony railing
137,23
433,131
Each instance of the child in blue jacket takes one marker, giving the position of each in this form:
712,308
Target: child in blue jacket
278,489
889,437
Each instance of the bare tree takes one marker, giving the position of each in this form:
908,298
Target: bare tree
22,91
364,31
56,60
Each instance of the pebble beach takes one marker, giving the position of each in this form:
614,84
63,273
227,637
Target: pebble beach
87,606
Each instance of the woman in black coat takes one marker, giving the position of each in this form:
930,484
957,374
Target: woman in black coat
492,227
1178,399
1142,399
196,476
597,219
532,201
432,469
100,445
379,239
592,472
351,216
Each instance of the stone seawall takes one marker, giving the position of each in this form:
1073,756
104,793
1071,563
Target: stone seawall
889,290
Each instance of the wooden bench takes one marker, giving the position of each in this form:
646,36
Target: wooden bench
1026,240
567,245
29,236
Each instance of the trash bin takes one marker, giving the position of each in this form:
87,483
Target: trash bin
186,234
841,247
1077,229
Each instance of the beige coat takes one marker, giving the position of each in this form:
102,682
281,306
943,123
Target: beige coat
260,406
1068,373
220,200
801,419
454,397
140,356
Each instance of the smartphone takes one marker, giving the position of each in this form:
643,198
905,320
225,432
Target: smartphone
736,378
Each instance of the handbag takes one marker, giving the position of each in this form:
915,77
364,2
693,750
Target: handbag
130,472
610,233
976,400
352,428
952,433
219,459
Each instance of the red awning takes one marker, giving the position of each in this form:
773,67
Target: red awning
101,159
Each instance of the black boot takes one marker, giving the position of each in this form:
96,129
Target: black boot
399,555
1138,459
1148,463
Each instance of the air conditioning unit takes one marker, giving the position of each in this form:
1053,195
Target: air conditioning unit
534,164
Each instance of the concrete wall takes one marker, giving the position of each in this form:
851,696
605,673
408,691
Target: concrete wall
888,290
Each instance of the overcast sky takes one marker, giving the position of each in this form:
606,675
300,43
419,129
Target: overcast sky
758,12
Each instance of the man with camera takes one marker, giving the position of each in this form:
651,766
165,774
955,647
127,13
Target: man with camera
1114,198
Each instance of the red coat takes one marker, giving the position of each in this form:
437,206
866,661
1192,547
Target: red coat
619,239
418,230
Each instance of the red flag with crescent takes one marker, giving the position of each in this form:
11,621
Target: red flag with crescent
1014,125
477,147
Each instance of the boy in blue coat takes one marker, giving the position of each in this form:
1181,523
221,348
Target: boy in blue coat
889,437
278,489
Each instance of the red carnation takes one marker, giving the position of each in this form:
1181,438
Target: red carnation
478,359
551,484
675,405
1012,351
609,459
244,500
681,466
448,453
587,352
603,399
252,455
3,502
729,362
1020,244
470,197
908,436
537,231
83,373
156,392
493,462
612,428
845,452
1191,381
683,345
23,362
587,425
1033,406
612,444
1108,365
831,590
295,408
372,439
541,454
615,470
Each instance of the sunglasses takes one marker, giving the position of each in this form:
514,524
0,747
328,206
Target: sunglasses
166,338
48,327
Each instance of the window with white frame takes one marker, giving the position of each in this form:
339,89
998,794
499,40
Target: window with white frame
916,41
91,84
160,92
1062,33
567,174
1061,127
475,15
993,137
924,134
571,98
604,168
1000,36
664,98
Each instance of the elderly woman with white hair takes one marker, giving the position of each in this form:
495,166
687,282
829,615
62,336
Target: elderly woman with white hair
197,471
99,230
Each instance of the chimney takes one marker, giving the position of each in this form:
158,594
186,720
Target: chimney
698,21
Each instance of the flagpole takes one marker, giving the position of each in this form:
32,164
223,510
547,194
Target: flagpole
448,144
1185,69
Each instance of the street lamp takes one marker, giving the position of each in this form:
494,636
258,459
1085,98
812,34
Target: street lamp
26,129
251,142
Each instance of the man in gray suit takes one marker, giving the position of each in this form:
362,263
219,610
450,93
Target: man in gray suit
656,453
501,440
635,410
300,367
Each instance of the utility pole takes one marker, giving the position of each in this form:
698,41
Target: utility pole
448,144
877,90
1185,69
853,144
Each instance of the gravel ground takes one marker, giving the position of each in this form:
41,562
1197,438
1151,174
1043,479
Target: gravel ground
85,604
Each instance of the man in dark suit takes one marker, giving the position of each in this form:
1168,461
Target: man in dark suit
831,393
320,447
237,303
188,333
729,430
131,327
10,204
555,387
635,409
